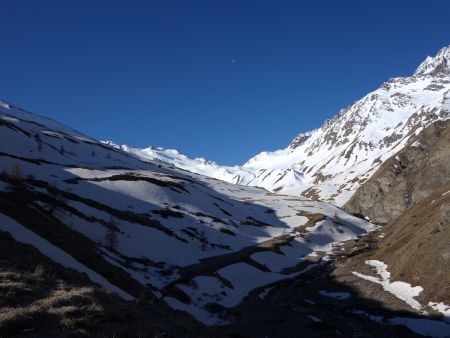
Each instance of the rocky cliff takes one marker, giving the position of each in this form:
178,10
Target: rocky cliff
410,193
407,178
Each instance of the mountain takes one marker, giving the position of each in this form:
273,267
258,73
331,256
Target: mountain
173,157
404,264
98,239
410,193
149,232
331,162
409,177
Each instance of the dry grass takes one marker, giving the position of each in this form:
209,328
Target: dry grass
39,298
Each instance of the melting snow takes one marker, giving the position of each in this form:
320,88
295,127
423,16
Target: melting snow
335,295
378,319
264,293
426,327
442,308
401,290
314,318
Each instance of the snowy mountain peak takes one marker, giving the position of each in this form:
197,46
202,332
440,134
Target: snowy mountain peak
300,139
331,162
440,64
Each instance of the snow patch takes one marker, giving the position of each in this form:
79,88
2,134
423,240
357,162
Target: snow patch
264,293
378,319
401,290
442,308
314,318
335,294
426,327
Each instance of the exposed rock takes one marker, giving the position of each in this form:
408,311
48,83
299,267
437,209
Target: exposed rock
410,193
406,179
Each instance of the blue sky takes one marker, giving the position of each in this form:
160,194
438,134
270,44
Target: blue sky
219,79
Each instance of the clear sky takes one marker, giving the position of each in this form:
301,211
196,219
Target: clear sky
219,79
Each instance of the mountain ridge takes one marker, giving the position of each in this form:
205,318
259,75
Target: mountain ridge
196,244
203,250
331,162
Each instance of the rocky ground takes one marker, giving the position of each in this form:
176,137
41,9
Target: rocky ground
40,298
410,193
328,301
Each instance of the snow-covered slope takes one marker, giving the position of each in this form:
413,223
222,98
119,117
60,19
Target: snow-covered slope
198,165
331,162
197,243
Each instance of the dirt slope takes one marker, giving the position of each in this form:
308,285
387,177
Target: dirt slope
410,193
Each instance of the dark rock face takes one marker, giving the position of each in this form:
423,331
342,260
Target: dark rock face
410,193
407,178
300,139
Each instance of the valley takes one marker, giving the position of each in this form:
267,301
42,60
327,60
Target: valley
343,233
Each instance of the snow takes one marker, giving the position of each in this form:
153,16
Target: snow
378,319
265,292
88,170
407,293
200,314
9,119
275,262
341,295
243,278
221,211
4,186
247,278
442,308
422,326
426,327
280,214
401,290
344,149
22,234
314,318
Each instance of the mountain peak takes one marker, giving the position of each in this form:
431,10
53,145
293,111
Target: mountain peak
300,139
440,64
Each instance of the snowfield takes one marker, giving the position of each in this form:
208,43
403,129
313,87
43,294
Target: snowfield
200,244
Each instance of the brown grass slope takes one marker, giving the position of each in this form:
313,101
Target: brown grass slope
408,194
39,298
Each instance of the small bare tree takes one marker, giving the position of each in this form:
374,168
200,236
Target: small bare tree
37,137
16,172
111,235
203,240
15,178
57,207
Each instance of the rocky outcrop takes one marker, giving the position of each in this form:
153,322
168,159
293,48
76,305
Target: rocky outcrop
407,178
410,193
